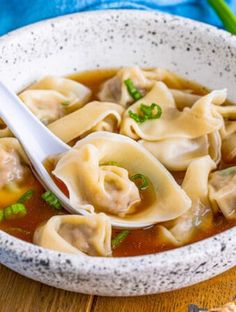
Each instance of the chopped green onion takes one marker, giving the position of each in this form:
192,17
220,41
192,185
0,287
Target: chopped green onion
135,117
13,210
133,91
112,163
118,239
1,215
227,171
51,199
141,181
153,111
226,15
65,103
26,196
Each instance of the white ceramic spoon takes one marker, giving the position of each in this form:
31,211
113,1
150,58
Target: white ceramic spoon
39,143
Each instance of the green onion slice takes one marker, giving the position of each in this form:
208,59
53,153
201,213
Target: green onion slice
51,199
136,117
14,210
112,163
226,15
141,181
133,91
65,103
26,196
118,239
153,111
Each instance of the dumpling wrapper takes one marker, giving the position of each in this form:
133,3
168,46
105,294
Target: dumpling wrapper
170,200
94,116
46,105
75,93
202,118
82,235
183,98
222,192
53,97
176,154
199,216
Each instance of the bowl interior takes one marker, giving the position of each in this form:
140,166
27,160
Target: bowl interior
71,44
111,39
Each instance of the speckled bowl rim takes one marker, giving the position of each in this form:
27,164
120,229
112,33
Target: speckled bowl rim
206,247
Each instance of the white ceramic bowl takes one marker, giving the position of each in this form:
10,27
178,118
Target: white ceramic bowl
109,39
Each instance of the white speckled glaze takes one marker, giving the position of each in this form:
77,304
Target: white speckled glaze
108,39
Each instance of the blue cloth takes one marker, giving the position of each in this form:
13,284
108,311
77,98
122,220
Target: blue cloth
17,13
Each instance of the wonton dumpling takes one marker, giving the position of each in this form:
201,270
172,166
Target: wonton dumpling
85,235
106,187
53,97
199,216
74,93
94,116
90,181
202,118
12,161
222,191
44,104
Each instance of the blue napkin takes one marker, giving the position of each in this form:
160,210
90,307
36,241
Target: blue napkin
17,13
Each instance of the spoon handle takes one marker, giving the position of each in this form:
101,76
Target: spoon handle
38,142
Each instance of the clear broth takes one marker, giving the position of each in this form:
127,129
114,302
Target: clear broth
138,242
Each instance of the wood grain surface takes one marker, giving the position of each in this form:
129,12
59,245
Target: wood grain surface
19,294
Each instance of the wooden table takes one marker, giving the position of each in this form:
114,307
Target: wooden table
19,294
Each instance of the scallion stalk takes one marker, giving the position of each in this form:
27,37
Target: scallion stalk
226,15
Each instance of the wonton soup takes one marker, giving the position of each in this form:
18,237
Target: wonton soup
147,147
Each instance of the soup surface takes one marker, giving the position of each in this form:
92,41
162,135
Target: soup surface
149,239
